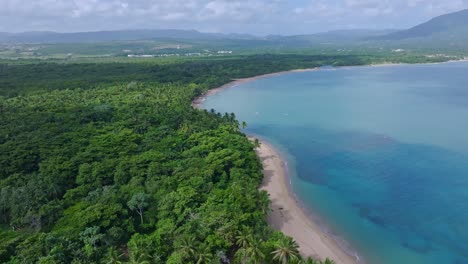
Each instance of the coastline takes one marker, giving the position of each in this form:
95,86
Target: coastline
293,219
198,101
388,64
289,217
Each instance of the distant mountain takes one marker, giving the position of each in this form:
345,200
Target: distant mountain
120,35
338,36
449,27
346,35
4,35
355,33
450,30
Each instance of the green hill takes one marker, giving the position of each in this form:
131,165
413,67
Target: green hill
117,35
449,27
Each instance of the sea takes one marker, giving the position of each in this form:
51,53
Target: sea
379,154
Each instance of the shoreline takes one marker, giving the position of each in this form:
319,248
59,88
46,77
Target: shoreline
313,238
289,217
198,101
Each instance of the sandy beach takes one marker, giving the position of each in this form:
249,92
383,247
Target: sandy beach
289,217
287,213
199,100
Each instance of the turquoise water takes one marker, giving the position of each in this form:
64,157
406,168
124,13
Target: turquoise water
379,153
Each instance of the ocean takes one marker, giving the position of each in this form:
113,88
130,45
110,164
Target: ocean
379,154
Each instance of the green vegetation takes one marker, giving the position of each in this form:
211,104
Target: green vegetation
108,162
91,46
443,36
33,76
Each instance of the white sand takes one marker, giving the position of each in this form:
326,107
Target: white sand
288,216
199,100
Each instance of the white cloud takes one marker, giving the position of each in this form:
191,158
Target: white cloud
254,16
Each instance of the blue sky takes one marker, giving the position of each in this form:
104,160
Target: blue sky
259,17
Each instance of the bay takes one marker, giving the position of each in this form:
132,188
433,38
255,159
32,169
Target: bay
379,153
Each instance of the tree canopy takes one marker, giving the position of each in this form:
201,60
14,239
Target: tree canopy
108,162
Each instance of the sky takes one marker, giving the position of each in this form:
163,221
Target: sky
259,17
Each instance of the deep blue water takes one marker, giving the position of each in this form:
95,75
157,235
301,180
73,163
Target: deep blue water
379,153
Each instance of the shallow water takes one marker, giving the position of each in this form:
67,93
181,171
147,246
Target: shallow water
380,153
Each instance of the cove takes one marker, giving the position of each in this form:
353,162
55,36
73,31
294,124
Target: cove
379,154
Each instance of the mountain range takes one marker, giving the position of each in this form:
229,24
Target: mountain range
118,35
453,24
446,29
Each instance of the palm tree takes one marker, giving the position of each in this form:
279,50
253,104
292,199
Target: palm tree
286,251
204,256
254,251
265,203
310,261
113,256
137,255
241,255
187,246
242,239
249,247
138,259
244,124
257,143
